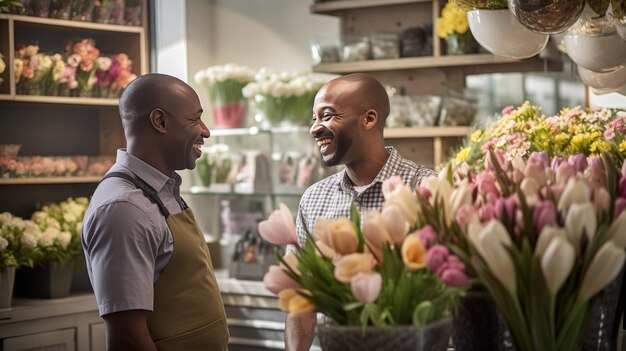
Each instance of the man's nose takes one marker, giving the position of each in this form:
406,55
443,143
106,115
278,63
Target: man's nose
205,130
316,128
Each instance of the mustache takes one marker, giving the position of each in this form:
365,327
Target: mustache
323,134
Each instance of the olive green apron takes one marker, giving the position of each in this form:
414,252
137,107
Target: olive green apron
188,310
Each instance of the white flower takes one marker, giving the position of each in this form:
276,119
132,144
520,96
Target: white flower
3,243
51,222
17,222
79,227
104,63
28,240
5,217
48,237
64,239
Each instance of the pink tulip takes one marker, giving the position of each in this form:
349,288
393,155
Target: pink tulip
486,183
464,215
424,191
279,228
622,187
508,109
506,205
435,256
390,185
564,172
595,174
499,156
539,158
276,280
428,236
579,161
544,214
366,287
620,205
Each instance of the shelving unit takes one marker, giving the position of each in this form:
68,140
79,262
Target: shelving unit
423,75
61,125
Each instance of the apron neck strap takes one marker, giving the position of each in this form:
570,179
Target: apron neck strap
148,191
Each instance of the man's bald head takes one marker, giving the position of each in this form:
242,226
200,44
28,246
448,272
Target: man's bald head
364,91
145,94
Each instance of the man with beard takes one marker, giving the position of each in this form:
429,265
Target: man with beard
147,259
349,115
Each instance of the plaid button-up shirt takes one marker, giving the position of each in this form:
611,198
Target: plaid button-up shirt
333,196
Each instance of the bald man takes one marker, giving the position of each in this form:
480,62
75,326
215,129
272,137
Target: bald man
147,259
349,115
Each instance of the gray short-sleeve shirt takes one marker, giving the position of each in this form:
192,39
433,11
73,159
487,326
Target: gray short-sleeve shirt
126,240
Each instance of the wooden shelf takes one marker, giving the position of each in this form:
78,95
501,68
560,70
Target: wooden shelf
412,63
50,180
332,7
426,132
60,100
73,24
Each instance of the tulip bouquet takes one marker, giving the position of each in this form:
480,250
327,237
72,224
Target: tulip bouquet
523,130
544,236
385,274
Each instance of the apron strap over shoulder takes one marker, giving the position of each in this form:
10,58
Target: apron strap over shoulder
148,191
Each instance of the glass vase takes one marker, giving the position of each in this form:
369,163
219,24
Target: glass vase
229,115
461,44
431,337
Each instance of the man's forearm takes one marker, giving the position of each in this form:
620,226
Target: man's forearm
299,332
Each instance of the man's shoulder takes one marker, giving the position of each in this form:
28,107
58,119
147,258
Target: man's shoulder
413,172
325,185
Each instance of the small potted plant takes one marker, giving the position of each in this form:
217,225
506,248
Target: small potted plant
453,27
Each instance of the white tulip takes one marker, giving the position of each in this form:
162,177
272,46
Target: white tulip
576,192
601,199
581,218
395,223
557,263
545,237
604,267
493,240
404,199
617,231
530,187
461,196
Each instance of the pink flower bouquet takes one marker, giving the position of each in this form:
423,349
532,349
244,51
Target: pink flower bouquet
544,236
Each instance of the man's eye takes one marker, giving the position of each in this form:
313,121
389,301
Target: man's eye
328,116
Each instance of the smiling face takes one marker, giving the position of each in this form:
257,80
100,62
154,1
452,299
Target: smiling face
336,123
185,130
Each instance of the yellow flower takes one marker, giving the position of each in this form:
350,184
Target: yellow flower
461,25
443,28
622,147
476,136
413,252
599,146
462,155
293,303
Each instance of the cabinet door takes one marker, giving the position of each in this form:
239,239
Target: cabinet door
97,337
58,340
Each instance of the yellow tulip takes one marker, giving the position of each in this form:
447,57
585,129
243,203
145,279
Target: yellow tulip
349,265
413,253
293,303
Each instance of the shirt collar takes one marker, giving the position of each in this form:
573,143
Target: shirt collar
147,173
389,169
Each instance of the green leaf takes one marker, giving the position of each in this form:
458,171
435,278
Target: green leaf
424,313
356,221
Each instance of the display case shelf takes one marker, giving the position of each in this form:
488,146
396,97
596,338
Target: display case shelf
426,132
73,24
50,180
60,100
333,7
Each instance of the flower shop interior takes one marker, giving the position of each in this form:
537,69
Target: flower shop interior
517,105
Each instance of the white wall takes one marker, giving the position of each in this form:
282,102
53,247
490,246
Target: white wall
256,33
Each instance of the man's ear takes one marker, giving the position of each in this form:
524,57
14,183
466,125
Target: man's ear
371,119
157,120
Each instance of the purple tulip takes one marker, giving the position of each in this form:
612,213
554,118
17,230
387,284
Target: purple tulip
454,277
487,213
427,235
622,187
508,205
564,172
464,215
544,214
556,162
539,159
436,256
424,191
579,161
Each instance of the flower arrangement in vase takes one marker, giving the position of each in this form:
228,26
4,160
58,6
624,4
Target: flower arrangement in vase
31,67
113,75
480,4
283,96
380,274
83,55
453,27
224,84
